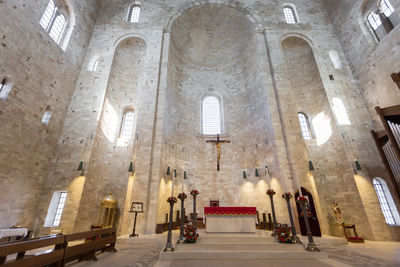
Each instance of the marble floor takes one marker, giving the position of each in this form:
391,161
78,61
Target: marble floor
144,251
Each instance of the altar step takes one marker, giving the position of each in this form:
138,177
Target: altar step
222,247
240,255
237,247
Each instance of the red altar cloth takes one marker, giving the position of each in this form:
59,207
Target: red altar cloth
230,211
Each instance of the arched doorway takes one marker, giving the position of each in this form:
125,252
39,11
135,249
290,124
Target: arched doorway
314,223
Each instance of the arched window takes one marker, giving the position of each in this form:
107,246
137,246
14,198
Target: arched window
290,15
374,20
335,59
134,12
53,22
211,116
56,208
47,115
127,124
305,126
382,20
340,111
388,207
5,88
94,63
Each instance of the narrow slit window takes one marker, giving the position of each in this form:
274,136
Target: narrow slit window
56,208
47,115
383,200
127,124
304,126
135,14
211,116
335,59
290,16
5,89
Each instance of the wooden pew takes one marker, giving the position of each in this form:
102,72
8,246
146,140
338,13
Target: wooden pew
60,249
55,256
103,239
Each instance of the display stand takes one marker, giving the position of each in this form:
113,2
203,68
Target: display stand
137,207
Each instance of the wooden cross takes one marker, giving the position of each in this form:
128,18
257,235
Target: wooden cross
218,144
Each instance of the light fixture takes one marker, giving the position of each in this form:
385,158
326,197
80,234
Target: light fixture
168,171
80,167
244,175
257,174
358,166
131,168
184,175
174,172
310,165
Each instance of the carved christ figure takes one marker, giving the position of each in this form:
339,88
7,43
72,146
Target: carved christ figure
218,145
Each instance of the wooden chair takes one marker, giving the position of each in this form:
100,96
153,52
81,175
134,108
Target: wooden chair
355,238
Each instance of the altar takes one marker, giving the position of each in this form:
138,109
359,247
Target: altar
230,219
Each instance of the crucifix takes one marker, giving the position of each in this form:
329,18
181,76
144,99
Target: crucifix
218,144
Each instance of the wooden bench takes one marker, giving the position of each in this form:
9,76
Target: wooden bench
103,239
54,256
58,249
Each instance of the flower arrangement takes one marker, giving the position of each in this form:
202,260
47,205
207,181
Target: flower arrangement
190,233
270,192
283,233
172,200
194,192
308,212
182,195
287,195
302,199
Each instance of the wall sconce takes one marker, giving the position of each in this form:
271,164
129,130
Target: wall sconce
131,168
168,171
80,168
175,173
358,166
310,165
267,169
244,175
257,174
184,175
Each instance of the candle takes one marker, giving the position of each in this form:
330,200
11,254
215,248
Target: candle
172,185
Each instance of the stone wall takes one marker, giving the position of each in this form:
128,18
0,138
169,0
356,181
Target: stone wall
371,62
264,70
43,74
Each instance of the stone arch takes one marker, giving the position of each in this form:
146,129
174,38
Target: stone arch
71,20
298,35
364,8
250,12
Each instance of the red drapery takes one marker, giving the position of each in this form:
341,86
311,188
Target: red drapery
230,211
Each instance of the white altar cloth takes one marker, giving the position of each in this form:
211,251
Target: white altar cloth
230,224
13,232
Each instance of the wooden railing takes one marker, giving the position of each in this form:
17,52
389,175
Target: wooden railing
58,249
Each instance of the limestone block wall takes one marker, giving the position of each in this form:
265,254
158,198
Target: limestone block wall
210,55
43,74
162,67
371,62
